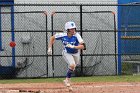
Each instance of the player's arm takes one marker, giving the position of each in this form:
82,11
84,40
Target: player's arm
57,36
52,40
80,46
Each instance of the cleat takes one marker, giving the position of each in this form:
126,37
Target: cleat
70,89
66,83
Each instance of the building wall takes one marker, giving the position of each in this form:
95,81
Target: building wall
65,1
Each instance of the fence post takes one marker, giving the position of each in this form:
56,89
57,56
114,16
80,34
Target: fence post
81,31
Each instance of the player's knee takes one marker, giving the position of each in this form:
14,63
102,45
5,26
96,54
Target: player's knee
72,66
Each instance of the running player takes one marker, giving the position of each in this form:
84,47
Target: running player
72,42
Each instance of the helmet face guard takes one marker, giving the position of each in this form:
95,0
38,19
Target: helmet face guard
70,25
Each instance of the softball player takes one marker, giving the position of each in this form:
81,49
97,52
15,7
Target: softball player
72,42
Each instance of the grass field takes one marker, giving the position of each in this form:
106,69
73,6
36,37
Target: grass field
128,78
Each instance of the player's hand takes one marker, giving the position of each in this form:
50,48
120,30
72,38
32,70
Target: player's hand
49,51
70,46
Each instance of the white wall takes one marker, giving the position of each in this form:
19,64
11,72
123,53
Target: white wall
65,1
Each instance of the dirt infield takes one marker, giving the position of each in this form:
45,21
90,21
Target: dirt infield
91,87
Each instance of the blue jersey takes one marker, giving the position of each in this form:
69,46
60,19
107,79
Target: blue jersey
74,40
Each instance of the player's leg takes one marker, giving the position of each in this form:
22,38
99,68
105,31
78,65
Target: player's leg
71,66
76,58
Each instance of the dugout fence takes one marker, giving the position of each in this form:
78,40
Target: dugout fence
34,24
27,26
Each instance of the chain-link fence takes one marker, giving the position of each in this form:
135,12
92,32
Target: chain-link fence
31,25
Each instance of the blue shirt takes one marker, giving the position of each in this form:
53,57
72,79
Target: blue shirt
74,40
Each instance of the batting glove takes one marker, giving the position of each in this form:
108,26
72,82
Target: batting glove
70,46
49,51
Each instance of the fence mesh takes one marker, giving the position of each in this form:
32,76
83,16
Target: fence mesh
96,24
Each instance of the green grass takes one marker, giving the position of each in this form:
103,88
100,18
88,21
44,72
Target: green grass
128,78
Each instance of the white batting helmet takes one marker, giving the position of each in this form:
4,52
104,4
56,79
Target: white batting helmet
70,25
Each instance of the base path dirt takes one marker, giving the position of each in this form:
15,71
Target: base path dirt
82,87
